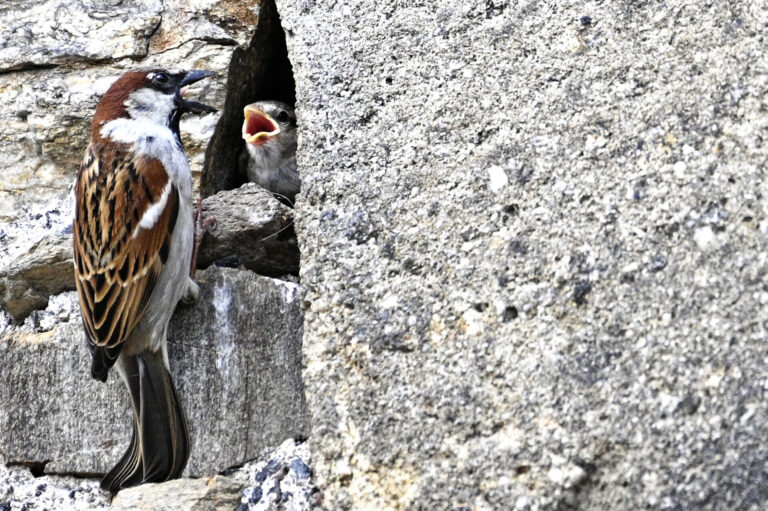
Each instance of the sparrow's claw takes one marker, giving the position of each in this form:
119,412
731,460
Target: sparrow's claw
207,223
193,291
200,227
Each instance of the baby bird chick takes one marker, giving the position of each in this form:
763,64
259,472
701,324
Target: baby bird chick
269,131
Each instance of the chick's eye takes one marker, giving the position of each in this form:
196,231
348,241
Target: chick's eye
160,78
282,116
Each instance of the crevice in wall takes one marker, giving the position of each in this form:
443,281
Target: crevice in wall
36,468
261,71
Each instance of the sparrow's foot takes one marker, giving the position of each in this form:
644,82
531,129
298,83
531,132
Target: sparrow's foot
200,227
193,290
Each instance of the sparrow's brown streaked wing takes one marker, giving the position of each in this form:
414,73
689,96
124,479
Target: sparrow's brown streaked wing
125,215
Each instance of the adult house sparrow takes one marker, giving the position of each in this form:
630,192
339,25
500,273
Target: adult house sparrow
133,237
269,131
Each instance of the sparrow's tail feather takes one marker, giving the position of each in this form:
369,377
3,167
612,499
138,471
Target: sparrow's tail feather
159,446
128,471
103,358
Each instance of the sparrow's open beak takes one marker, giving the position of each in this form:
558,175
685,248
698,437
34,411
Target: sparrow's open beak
258,127
193,106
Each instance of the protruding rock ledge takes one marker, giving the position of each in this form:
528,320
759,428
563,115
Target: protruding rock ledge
252,229
218,493
46,269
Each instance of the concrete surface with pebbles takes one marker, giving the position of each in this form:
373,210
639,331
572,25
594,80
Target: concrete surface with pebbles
19,489
282,482
533,244
532,238
278,480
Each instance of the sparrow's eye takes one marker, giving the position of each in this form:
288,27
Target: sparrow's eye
160,78
282,116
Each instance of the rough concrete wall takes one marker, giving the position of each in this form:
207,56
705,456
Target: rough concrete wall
533,244
532,235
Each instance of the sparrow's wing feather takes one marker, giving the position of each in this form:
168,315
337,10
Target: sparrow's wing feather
126,212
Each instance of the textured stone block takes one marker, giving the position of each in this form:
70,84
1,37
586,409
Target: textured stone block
252,228
47,269
214,494
533,238
33,33
235,358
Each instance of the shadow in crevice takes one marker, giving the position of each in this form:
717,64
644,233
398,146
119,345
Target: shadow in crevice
260,71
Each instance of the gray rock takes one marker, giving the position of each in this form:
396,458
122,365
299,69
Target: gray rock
487,190
235,358
252,228
227,22
217,493
47,269
94,31
59,58
19,489
281,482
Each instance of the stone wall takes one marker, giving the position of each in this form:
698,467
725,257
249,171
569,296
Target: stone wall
59,57
235,359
